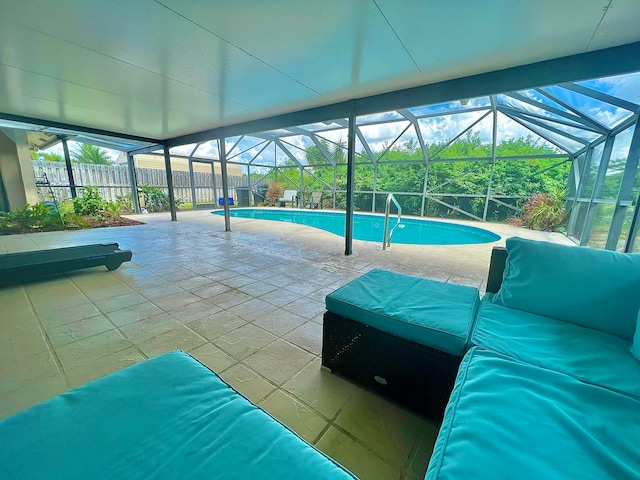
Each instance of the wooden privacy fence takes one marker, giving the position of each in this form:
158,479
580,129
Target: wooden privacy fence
113,180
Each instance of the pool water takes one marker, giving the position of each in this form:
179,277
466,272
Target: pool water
370,228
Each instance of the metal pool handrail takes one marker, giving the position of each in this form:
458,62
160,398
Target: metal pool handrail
386,239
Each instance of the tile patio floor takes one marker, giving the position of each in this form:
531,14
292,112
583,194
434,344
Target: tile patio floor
248,304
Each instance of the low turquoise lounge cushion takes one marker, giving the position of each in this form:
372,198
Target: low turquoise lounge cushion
431,313
165,418
586,286
583,353
635,346
507,419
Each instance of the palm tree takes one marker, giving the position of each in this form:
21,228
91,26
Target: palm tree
88,153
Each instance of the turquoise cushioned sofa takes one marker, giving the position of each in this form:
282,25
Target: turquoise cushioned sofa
509,419
165,418
550,387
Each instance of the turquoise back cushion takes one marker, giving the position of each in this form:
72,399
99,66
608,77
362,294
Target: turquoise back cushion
635,346
594,288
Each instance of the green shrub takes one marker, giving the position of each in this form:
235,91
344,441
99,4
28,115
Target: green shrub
155,199
31,218
125,202
91,203
544,212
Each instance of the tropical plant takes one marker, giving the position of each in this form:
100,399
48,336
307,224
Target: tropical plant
274,193
91,203
155,199
544,212
36,217
88,153
125,202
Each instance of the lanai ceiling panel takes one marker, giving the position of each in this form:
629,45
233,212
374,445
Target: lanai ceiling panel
164,68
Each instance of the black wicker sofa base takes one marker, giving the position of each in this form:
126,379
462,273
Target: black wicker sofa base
414,375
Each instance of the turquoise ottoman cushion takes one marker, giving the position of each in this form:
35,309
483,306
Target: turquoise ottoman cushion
507,419
586,286
584,353
431,313
165,418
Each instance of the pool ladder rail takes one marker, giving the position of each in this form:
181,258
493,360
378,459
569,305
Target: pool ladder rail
386,239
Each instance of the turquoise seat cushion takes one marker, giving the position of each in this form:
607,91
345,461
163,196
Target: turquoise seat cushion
586,286
165,418
431,313
635,346
507,419
583,353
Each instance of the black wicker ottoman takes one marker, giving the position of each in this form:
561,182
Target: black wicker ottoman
399,335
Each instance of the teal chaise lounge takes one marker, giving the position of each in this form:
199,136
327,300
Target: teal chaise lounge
165,418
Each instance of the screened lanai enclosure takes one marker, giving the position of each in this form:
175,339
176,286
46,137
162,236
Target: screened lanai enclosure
478,159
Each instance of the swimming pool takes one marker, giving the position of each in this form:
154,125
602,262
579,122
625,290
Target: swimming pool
370,227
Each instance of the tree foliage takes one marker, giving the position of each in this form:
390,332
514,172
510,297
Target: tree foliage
456,171
91,154
46,156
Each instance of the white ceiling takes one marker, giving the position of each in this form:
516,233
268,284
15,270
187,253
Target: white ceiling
160,69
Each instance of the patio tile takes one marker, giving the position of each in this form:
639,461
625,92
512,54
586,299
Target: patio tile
301,288
240,268
217,325
32,394
247,382
306,307
244,341
214,358
20,337
178,338
298,417
177,275
161,291
194,311
386,428
134,313
112,304
93,368
221,275
177,300
278,361
59,301
100,292
91,348
325,392
279,321
359,460
252,309
257,288
229,299
55,318
238,281
78,330
18,373
307,337
321,294
281,281
280,297
194,283
416,466
138,277
211,290
149,328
